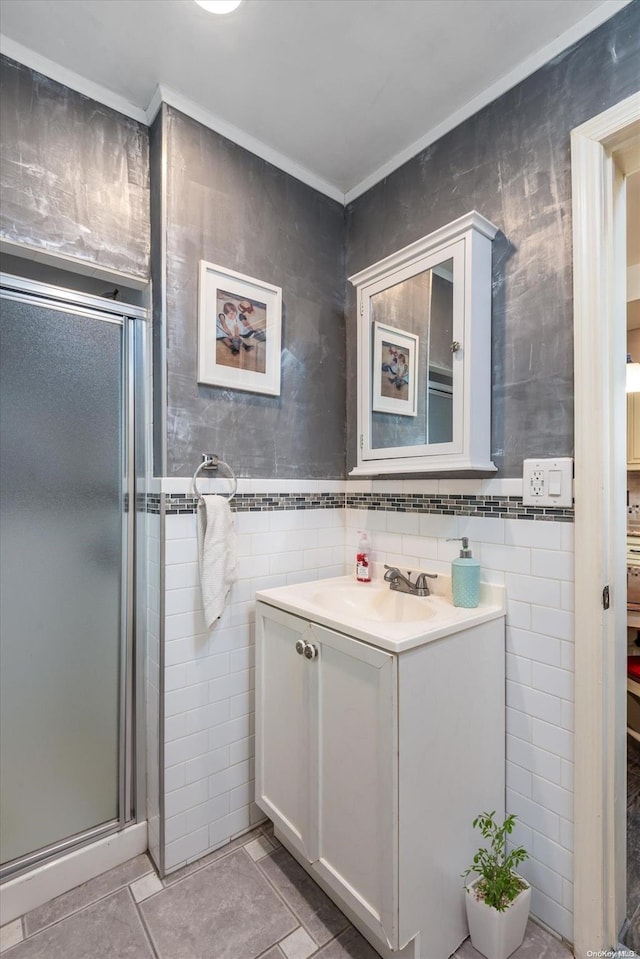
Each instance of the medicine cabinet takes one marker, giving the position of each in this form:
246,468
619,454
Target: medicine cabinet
424,354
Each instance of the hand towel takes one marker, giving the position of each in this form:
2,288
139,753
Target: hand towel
216,554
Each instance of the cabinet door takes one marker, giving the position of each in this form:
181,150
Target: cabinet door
282,724
356,743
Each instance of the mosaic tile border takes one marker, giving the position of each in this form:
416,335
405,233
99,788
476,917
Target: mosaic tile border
492,507
458,504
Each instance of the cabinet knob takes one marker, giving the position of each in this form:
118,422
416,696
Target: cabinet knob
300,645
310,651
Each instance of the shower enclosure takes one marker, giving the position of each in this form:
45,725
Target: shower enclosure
69,445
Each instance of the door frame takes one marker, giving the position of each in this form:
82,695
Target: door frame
604,150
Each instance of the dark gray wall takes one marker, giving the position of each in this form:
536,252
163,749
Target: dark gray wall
229,207
74,174
511,162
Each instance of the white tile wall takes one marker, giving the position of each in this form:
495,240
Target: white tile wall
209,676
535,562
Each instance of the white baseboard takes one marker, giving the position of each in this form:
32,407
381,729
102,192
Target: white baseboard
43,883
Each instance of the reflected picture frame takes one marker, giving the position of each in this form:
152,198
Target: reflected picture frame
239,331
395,371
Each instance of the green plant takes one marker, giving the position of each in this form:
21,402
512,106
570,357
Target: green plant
498,883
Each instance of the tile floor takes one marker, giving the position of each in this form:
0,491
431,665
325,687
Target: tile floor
248,900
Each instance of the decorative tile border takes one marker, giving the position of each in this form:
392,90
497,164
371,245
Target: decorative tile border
498,507
259,502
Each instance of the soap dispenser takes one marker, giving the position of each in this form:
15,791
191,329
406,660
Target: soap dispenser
465,578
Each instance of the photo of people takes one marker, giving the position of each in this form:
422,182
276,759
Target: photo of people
240,332
395,371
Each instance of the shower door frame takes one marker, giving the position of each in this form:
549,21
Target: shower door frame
131,752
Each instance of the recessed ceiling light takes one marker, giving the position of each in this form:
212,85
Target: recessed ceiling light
219,6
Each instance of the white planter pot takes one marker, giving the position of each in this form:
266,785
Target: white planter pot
497,934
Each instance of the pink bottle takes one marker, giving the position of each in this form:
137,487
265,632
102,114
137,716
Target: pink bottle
363,569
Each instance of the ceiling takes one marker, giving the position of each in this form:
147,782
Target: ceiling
336,92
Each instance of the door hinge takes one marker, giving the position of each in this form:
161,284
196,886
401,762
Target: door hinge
606,602
361,306
362,441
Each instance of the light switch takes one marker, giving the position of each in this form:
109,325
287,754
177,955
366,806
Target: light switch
547,482
555,483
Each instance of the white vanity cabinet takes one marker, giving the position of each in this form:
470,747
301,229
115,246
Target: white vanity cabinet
373,764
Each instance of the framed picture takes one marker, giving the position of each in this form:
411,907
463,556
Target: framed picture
239,331
395,372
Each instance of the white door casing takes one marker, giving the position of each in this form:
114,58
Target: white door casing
603,151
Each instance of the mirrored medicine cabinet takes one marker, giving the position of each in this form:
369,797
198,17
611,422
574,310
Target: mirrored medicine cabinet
424,354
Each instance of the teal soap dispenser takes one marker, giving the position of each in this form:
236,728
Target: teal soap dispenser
465,578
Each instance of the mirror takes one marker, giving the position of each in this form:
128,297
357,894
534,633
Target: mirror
419,362
412,332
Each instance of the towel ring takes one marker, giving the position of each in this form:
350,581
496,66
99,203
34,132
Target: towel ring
211,462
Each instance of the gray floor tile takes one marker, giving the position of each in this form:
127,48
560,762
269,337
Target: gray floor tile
109,929
212,857
225,911
349,945
85,894
274,953
538,944
320,917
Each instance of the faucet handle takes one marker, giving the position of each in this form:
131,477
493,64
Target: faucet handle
421,579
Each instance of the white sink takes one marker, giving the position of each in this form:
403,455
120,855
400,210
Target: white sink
373,601
383,617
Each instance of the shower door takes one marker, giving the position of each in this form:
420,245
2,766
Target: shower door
65,542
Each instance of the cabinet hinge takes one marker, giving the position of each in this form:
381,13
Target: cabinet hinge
605,598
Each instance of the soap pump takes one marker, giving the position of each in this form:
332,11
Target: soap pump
465,577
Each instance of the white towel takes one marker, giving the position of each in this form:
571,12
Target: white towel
216,554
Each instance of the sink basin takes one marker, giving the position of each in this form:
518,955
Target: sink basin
372,602
383,617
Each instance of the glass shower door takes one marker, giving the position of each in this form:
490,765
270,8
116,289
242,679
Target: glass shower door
62,565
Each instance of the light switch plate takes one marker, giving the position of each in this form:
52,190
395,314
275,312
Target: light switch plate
548,482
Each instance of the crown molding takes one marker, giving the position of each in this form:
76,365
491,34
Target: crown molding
164,94
523,70
95,91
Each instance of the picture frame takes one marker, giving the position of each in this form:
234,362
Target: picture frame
239,331
395,370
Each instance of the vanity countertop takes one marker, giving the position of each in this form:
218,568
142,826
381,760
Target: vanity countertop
387,619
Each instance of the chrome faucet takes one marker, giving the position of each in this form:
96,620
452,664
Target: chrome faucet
403,584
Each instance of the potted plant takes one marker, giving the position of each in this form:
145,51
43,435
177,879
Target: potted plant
498,899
